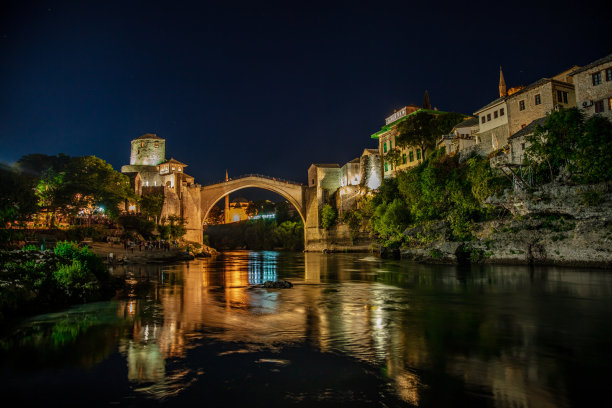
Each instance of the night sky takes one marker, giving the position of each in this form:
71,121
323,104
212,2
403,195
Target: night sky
264,87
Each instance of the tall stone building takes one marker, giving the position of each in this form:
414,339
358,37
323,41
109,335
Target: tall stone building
151,173
593,84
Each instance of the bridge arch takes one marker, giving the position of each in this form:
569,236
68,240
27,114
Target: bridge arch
292,192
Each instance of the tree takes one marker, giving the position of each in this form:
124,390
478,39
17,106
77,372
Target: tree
36,164
177,226
424,128
91,182
593,161
215,216
567,141
328,216
17,199
151,205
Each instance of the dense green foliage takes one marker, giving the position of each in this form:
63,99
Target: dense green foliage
151,205
32,280
257,235
442,189
328,216
567,142
17,199
174,229
423,129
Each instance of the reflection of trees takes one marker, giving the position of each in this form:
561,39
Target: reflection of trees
79,338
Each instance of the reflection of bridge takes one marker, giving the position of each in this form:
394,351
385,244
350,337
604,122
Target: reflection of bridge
289,190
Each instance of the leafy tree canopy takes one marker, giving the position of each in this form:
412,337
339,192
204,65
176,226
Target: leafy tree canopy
423,129
568,141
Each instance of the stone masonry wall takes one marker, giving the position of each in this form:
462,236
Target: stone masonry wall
149,154
191,211
586,91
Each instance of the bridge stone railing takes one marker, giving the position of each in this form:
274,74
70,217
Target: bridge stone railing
255,175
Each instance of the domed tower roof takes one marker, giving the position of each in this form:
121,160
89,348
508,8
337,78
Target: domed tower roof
149,136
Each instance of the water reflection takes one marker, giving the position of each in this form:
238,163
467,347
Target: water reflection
505,336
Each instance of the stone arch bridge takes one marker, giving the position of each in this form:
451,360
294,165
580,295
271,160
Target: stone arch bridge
289,190
194,202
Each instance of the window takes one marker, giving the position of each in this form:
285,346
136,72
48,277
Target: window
386,167
599,106
390,144
522,146
404,158
411,156
538,99
495,115
482,119
522,105
418,154
609,74
596,78
156,144
501,112
141,144
561,97
488,117
610,104
180,169
385,148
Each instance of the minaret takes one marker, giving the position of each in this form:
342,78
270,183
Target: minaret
502,84
426,104
226,213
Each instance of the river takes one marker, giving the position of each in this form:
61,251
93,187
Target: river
353,331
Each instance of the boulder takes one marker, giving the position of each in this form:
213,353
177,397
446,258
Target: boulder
277,285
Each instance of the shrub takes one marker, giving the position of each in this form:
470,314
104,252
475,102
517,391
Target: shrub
66,249
328,216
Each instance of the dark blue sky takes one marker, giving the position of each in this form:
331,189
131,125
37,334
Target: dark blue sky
264,87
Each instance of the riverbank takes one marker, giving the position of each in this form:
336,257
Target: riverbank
555,225
34,281
114,253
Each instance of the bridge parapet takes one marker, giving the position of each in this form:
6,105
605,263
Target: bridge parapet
289,190
254,175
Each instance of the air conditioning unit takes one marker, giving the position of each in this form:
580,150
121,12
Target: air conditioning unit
586,104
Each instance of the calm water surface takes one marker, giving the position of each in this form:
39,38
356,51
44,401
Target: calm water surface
354,331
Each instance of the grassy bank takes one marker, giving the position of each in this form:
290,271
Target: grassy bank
34,281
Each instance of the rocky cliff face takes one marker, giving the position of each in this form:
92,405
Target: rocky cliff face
557,224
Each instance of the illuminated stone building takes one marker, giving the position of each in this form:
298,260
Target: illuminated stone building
593,84
537,100
463,136
148,160
493,127
343,185
409,156
151,173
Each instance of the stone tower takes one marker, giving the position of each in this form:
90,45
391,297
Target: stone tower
502,84
148,150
